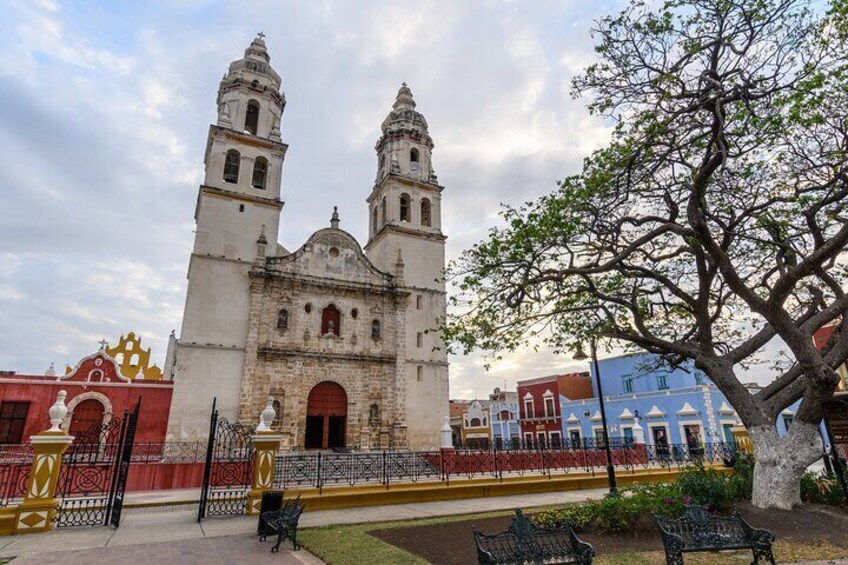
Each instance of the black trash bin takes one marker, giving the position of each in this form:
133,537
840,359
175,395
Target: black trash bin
271,500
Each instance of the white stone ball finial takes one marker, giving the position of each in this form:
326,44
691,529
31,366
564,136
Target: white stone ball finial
267,416
58,412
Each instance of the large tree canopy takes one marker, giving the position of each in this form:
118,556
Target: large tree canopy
711,224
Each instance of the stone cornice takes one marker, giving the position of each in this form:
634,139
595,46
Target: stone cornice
406,181
221,347
232,195
221,258
249,139
403,231
268,351
325,283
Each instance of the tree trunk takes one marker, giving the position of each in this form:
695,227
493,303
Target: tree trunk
781,461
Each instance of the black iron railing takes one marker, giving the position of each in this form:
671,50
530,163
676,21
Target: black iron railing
321,469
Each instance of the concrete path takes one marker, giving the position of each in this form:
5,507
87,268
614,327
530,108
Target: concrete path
157,535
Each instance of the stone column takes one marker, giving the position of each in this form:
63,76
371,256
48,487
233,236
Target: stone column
38,510
266,443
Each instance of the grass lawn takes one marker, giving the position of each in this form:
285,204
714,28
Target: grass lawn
352,545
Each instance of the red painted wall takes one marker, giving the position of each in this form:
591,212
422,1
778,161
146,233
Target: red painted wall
164,476
540,421
41,393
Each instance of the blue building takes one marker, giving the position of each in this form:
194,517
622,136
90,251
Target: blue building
671,405
503,415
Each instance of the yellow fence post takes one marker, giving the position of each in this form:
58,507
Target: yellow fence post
38,510
265,443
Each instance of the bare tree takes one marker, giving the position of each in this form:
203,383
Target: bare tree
713,223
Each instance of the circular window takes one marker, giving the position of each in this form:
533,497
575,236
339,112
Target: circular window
308,307
334,252
354,313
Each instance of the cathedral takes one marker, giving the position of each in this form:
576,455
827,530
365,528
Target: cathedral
339,334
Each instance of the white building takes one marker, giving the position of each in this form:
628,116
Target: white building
337,334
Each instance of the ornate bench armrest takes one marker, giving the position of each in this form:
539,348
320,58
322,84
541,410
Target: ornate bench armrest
754,534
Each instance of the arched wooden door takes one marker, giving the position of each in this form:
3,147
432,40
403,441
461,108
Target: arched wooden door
326,416
86,414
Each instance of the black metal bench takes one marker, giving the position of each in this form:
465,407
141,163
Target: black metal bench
698,530
284,523
524,543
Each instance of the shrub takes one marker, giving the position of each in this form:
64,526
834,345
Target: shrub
712,488
623,512
821,488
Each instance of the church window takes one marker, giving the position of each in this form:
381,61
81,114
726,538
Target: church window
374,225
418,302
241,207
382,163
426,213
413,160
354,313
374,415
251,117
260,172
283,319
278,415
330,320
334,252
419,373
231,166
308,308
419,339
404,207
375,329
134,359
475,423
384,219
119,358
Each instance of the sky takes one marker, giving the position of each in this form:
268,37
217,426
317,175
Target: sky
105,109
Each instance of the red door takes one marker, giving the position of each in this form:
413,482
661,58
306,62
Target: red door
326,416
87,413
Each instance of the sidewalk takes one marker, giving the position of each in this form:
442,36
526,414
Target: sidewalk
161,535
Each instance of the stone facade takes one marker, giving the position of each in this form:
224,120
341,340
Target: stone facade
262,321
287,360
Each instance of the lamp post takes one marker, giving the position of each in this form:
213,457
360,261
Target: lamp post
580,355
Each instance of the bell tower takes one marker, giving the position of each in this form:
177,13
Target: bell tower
405,238
237,205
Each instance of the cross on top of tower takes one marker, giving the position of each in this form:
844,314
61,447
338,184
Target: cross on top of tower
103,343
261,35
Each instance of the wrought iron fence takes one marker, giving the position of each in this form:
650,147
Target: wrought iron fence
318,470
169,452
520,444
15,464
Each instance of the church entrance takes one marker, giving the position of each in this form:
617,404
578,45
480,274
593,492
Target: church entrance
326,416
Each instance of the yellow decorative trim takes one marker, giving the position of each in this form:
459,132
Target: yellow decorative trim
129,346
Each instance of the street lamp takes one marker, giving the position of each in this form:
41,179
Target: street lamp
580,355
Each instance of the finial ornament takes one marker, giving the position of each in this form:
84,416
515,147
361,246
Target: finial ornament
261,35
267,416
334,220
103,343
57,412
447,435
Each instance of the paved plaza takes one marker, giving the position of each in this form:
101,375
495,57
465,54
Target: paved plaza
173,535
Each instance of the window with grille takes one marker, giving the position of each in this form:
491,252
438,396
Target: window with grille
13,417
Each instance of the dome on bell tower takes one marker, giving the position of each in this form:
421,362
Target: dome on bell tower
405,119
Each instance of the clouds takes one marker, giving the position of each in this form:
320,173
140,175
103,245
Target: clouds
106,109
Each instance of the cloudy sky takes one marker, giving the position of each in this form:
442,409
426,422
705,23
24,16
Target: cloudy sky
103,122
